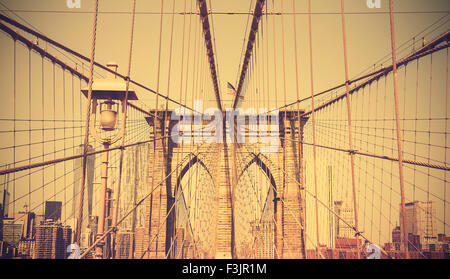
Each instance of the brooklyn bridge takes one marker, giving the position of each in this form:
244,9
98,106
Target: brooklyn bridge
224,129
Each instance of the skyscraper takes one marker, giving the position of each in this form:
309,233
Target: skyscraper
4,202
263,233
51,241
420,220
89,185
330,205
345,211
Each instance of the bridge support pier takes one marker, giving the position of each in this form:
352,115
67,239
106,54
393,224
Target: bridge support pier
284,169
293,207
156,229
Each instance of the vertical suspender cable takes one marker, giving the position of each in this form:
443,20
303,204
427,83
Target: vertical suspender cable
415,127
282,53
445,152
155,119
165,120
284,95
43,132
185,97
178,154
300,169
86,129
313,126
274,58
54,132
428,208
159,58
64,117
14,133
124,120
399,140
188,56
350,140
29,123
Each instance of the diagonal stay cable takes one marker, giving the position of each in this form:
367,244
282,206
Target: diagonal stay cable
77,54
375,75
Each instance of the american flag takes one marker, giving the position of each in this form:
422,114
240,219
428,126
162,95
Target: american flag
231,90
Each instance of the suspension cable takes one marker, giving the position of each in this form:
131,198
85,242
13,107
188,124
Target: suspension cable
86,130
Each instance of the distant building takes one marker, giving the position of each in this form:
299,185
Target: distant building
179,243
53,210
139,242
435,245
444,242
4,203
188,247
26,248
88,237
12,232
396,238
38,219
414,243
89,185
347,243
29,225
263,233
107,252
123,245
1,222
420,221
388,247
26,243
344,210
51,241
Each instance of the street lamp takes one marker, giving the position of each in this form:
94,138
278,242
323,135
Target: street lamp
107,91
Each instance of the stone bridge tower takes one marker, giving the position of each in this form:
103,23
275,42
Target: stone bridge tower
282,168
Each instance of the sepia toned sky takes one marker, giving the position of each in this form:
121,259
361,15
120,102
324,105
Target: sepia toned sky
368,36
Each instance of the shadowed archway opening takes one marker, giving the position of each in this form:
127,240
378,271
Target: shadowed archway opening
255,211
193,228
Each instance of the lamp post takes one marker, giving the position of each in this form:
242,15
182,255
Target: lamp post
107,91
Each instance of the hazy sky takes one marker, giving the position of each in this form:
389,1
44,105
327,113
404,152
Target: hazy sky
368,36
